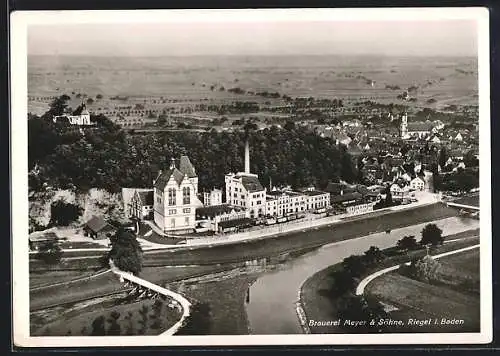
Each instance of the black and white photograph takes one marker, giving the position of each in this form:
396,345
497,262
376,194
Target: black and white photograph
251,177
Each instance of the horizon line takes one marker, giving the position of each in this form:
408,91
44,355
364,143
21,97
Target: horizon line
255,55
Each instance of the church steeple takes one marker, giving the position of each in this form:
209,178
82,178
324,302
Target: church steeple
404,125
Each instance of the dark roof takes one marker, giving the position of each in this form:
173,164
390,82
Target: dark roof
164,177
346,197
97,223
212,211
420,126
186,167
251,184
146,197
236,222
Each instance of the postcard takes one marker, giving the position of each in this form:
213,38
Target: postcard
251,177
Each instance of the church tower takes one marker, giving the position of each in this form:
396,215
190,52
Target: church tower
404,125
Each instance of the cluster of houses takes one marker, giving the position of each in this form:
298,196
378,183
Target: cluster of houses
176,206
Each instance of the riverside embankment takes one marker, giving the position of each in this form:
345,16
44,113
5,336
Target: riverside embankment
185,262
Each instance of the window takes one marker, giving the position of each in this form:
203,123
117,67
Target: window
186,210
186,195
172,222
171,196
172,212
186,220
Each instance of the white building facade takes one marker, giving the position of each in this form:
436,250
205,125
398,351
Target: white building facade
175,197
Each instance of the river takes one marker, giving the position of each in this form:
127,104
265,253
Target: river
273,296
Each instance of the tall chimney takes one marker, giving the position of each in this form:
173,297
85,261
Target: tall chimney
247,157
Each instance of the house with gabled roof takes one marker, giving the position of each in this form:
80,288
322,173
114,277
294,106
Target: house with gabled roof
175,197
141,204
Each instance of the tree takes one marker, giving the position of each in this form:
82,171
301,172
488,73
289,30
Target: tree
98,96
144,312
50,252
126,251
99,326
63,213
431,234
343,282
90,101
373,256
355,265
407,243
354,307
114,327
199,322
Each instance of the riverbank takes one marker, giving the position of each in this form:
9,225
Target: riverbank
319,302
239,251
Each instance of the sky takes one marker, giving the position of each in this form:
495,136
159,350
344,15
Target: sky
404,38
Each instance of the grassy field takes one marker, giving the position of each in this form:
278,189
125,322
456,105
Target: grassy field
77,321
226,300
317,302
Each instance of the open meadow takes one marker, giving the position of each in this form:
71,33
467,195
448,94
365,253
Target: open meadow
179,85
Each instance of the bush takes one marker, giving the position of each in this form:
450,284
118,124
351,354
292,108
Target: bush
424,269
63,213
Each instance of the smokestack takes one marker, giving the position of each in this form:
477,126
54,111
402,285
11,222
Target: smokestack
247,157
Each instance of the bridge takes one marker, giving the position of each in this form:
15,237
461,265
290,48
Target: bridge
153,291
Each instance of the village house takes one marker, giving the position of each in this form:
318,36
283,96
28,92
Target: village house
141,204
417,183
97,228
400,191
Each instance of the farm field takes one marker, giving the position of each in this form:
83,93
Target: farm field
175,82
456,296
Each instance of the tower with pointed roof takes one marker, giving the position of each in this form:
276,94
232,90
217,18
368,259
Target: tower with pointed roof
176,197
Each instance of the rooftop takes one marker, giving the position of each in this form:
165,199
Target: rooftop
215,210
251,183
